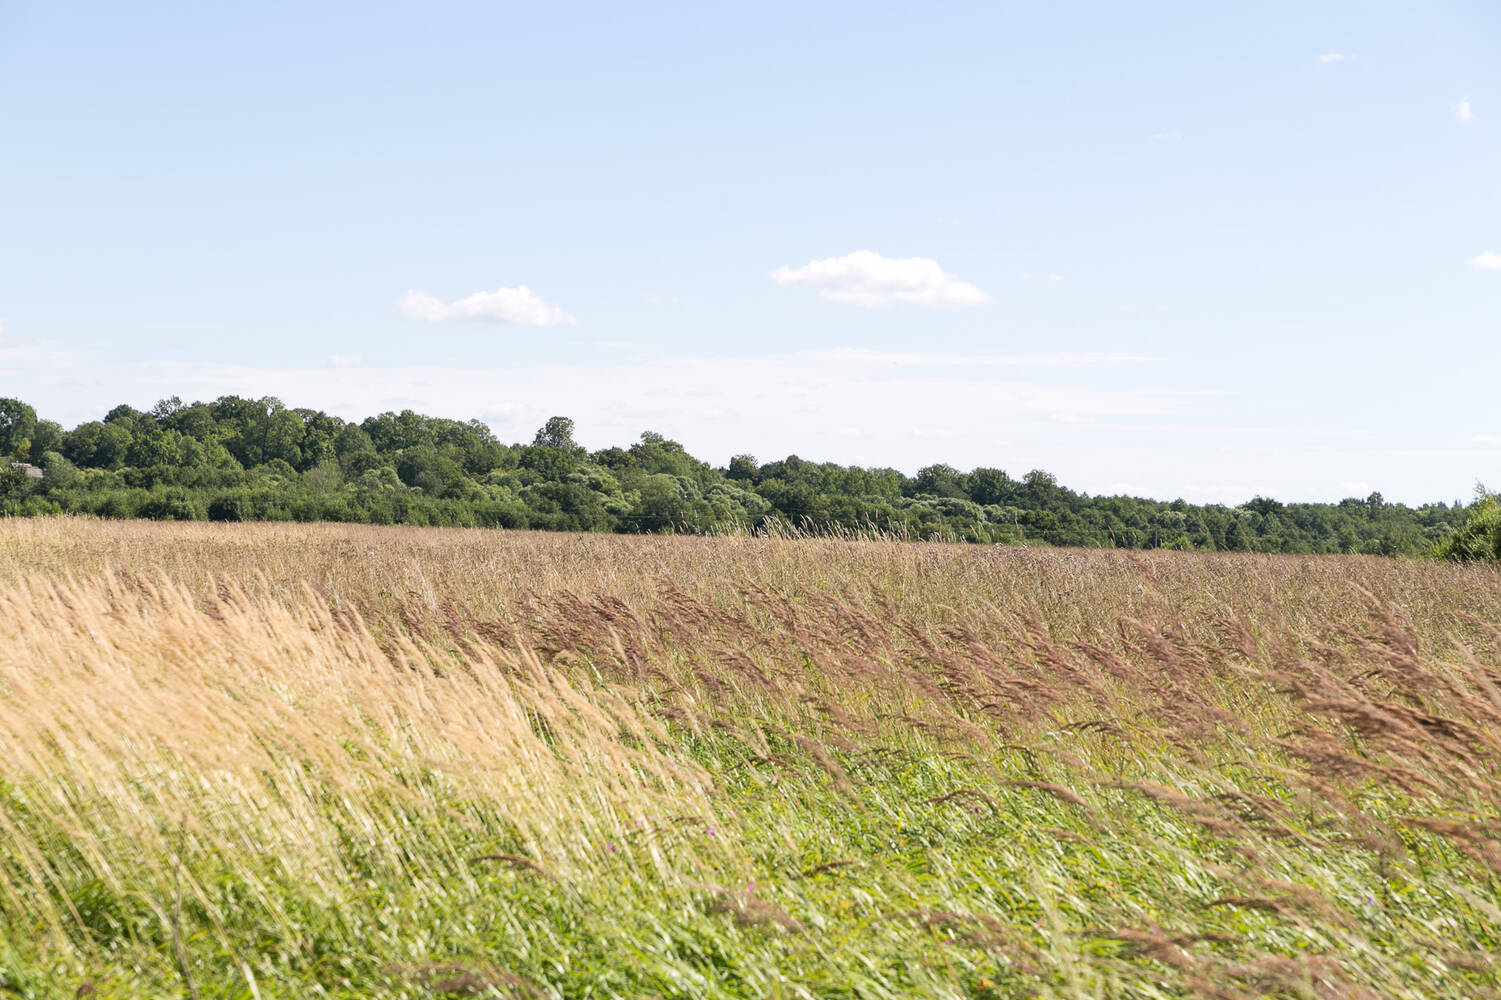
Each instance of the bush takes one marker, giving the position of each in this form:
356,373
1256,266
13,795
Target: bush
171,505
1480,538
230,507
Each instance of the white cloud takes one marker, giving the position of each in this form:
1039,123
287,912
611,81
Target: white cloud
1463,111
1042,279
1171,136
867,279
1329,58
518,305
1487,261
1489,440
345,360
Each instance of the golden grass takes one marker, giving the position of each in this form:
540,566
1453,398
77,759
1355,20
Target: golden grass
296,760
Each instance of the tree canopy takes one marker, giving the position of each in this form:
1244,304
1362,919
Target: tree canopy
236,459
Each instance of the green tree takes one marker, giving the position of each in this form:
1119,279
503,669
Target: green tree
558,433
664,505
940,481
59,473
98,446
743,467
159,448
14,484
257,459
657,454
429,471
549,464
17,423
393,432
991,486
166,409
48,436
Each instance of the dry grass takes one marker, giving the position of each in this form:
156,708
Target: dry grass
268,760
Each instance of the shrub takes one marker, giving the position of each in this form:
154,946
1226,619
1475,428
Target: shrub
1480,538
229,507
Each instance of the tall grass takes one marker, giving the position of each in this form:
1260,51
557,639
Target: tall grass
268,760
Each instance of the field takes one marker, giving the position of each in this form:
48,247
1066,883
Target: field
326,761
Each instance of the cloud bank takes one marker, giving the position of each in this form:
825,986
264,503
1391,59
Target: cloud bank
864,278
1487,261
519,305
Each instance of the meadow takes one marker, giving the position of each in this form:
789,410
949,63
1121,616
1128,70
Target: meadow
257,760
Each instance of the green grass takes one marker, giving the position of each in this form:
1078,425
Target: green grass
1216,779
891,894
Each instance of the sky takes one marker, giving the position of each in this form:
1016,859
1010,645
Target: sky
1188,250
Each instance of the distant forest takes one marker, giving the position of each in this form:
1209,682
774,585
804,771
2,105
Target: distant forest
257,460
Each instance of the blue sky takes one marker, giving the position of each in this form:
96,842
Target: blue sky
1177,249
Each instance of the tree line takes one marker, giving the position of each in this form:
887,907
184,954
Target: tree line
237,459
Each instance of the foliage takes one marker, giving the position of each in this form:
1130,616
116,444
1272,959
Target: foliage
17,424
242,459
1480,537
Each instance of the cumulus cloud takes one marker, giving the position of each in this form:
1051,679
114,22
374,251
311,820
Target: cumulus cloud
1463,111
1487,261
519,305
345,360
1329,58
864,278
